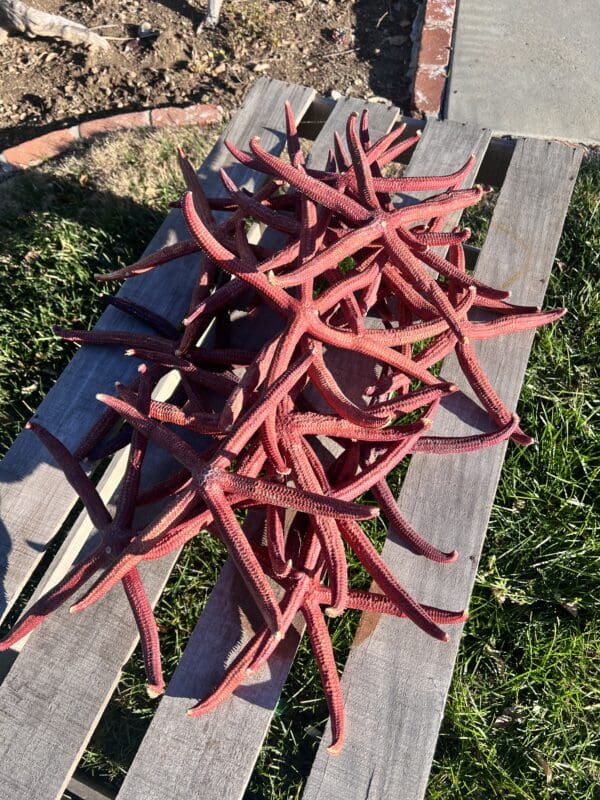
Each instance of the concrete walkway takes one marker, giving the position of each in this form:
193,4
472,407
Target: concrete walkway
529,67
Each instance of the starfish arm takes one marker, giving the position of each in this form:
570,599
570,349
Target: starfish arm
450,445
126,561
421,307
119,338
233,677
342,159
208,307
401,256
194,185
251,380
321,645
261,213
130,482
288,497
346,286
308,424
161,325
325,529
414,400
309,186
282,357
240,550
146,624
176,537
335,398
362,169
404,530
275,537
105,423
345,246
181,450
437,207
442,239
292,138
75,476
150,262
370,476
262,408
486,392
169,486
362,600
368,347
228,261
446,268
514,323
379,571
77,576
418,331
426,183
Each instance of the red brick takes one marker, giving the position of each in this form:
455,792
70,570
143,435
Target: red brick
39,149
428,89
440,12
435,47
199,114
119,122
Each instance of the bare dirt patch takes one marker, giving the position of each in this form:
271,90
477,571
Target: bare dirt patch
358,48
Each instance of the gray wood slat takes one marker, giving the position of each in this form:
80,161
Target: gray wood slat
396,679
35,499
54,694
213,756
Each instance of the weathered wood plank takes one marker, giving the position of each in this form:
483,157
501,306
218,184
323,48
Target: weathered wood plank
55,693
35,499
214,755
396,679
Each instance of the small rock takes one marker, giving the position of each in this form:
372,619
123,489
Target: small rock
396,41
335,95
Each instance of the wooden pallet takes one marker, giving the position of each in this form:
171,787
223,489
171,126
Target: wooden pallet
57,687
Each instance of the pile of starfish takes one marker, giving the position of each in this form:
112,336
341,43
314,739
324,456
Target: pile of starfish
273,455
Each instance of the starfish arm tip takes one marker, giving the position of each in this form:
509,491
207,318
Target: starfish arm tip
335,748
154,690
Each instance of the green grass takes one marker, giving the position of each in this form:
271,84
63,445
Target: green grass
522,714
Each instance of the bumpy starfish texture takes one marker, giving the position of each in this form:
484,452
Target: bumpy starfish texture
361,274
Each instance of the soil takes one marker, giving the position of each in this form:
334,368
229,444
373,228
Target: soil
358,48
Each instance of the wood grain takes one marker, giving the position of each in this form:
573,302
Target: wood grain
213,756
56,691
396,679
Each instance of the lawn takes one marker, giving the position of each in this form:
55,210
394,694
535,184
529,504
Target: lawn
522,714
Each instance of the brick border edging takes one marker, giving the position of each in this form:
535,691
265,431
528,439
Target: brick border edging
50,145
431,54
